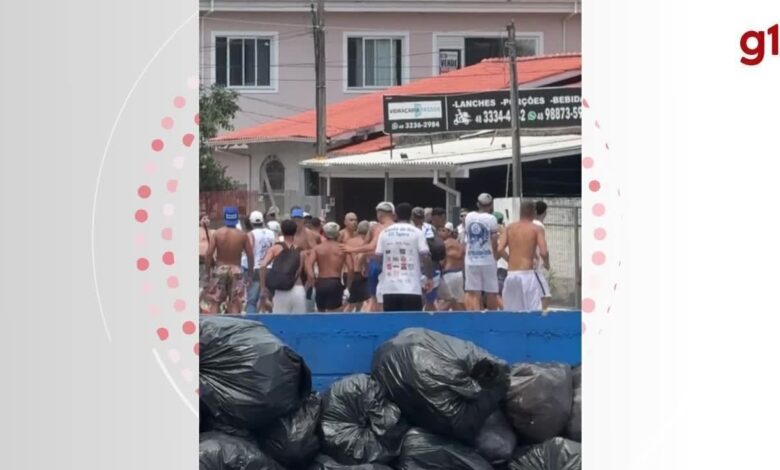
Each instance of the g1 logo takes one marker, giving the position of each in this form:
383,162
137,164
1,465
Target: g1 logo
753,45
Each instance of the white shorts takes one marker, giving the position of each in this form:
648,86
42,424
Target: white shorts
543,281
451,288
482,279
522,291
290,301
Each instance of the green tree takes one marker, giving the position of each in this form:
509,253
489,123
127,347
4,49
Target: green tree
218,107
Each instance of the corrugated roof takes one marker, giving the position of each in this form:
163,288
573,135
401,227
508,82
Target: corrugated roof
365,112
476,152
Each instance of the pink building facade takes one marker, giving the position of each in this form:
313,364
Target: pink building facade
265,51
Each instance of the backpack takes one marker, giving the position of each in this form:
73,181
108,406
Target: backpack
437,249
284,272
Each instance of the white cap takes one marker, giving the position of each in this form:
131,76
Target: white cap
256,217
485,199
306,214
274,226
386,206
449,226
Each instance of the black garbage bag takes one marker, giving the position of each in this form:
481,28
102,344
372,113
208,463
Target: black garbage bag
539,400
292,439
574,427
323,462
554,454
444,384
359,424
248,377
426,451
219,451
496,440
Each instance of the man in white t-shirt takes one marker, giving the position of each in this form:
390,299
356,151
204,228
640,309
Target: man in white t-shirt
481,240
542,265
404,257
261,240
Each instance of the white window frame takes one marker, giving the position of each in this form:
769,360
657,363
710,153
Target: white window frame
402,35
274,59
539,36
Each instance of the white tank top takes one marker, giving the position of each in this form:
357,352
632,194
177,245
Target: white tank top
263,239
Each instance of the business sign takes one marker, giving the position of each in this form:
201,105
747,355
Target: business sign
410,114
449,60
538,108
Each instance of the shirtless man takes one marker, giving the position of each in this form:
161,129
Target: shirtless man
542,266
522,288
358,288
385,214
204,237
227,282
331,260
284,264
451,292
305,239
350,227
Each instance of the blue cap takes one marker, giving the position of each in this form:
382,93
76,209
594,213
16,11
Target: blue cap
231,216
296,213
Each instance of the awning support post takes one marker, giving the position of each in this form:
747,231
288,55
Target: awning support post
388,187
447,189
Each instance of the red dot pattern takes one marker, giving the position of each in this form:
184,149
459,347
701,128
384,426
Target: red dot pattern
588,305
594,185
162,333
142,264
158,144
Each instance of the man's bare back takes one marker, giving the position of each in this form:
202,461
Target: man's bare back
522,238
359,259
455,255
229,243
307,239
330,259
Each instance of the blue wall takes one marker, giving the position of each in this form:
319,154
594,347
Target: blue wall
335,345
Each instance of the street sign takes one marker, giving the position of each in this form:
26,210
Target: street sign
538,108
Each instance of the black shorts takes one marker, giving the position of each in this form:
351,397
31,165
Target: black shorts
358,291
402,302
328,293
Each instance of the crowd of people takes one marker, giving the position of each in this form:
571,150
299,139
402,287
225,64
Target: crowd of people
408,259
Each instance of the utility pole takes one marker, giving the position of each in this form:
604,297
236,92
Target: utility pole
318,27
517,166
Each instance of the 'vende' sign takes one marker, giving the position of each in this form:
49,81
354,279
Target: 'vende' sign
537,108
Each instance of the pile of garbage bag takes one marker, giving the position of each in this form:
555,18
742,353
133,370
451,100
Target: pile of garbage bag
441,383
431,402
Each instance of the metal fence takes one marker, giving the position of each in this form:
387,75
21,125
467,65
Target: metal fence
563,232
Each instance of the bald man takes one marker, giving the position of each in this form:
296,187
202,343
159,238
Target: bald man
350,227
